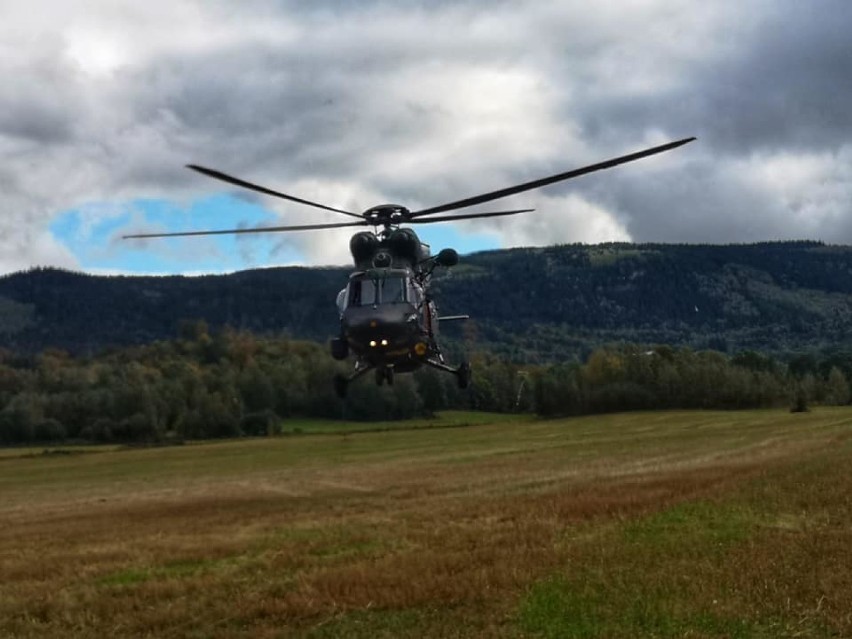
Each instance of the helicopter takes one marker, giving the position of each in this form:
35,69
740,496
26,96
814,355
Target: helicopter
388,320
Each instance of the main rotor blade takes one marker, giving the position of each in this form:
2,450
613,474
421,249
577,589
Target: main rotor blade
263,229
467,216
262,189
567,175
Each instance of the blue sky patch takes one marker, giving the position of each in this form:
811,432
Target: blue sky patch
93,234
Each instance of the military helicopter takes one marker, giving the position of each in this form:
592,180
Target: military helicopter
387,318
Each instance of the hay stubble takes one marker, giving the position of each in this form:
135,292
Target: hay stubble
492,530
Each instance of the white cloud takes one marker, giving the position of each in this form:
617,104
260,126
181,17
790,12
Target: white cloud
562,220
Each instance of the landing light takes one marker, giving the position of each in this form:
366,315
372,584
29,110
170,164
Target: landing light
384,342
373,343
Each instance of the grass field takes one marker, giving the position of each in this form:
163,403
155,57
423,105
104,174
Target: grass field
674,524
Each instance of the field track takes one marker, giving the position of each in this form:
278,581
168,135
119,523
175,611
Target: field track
671,524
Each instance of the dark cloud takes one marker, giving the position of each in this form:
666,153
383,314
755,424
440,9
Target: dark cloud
776,79
354,103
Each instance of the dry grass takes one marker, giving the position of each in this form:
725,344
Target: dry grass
658,524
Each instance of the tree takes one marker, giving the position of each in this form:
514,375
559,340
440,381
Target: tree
836,388
604,366
558,390
20,417
256,389
431,389
194,330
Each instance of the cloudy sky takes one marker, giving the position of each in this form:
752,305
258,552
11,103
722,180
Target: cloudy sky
352,104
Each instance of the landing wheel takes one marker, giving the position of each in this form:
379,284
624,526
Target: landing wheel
383,375
339,348
340,385
463,375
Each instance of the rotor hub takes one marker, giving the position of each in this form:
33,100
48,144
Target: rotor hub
386,214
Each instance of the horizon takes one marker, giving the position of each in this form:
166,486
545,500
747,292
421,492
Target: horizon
190,274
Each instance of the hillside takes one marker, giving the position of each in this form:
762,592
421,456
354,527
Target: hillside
539,304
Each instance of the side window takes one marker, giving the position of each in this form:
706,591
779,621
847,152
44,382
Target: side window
414,294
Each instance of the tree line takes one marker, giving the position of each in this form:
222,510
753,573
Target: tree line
231,383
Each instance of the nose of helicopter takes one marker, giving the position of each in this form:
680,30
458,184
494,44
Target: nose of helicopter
381,327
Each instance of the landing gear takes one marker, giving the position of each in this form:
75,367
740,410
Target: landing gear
463,375
340,385
341,382
462,372
384,374
339,348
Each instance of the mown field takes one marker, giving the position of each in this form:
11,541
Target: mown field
674,524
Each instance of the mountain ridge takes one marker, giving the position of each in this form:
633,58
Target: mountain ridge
529,304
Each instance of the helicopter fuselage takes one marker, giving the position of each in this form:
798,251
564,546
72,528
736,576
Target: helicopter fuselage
385,319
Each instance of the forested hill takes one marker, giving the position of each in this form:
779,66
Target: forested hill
529,304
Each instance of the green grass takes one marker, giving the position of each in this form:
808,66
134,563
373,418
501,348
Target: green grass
625,593
567,608
696,523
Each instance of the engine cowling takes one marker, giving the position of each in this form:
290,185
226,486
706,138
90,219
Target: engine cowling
363,246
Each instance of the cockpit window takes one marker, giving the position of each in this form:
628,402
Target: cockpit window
393,290
362,292
367,292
